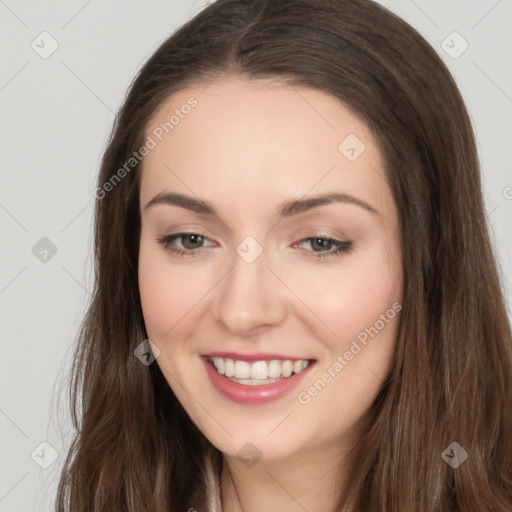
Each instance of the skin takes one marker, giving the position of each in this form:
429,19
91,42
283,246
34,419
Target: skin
245,148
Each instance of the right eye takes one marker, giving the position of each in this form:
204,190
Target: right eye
188,240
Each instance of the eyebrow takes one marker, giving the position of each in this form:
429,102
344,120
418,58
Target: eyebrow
286,209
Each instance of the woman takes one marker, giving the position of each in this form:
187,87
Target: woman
290,209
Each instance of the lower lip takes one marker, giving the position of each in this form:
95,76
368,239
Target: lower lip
253,395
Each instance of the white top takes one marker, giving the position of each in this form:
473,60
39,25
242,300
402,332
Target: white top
212,487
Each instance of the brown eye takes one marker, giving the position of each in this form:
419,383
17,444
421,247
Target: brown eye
322,245
190,242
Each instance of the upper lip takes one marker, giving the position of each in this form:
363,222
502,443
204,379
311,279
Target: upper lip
260,356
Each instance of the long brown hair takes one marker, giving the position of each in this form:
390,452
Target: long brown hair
135,448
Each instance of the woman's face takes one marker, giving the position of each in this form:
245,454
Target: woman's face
294,299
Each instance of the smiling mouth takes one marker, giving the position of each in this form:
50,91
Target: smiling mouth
258,373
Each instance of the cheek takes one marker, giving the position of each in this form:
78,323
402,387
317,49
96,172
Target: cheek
166,293
348,301
362,310
152,291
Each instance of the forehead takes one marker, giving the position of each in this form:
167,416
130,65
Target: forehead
260,141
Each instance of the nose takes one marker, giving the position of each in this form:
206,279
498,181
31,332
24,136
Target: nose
250,299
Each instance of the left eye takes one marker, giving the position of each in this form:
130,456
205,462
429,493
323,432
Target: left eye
192,242
323,242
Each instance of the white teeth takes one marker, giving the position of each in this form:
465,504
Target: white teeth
298,366
258,372
274,369
287,368
229,368
219,364
242,370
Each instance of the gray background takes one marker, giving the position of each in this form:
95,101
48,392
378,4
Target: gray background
56,113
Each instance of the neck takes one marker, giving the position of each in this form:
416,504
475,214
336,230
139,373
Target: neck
309,480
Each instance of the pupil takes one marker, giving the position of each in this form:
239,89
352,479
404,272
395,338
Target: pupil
194,238
321,242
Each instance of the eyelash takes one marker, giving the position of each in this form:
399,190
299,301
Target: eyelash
344,247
